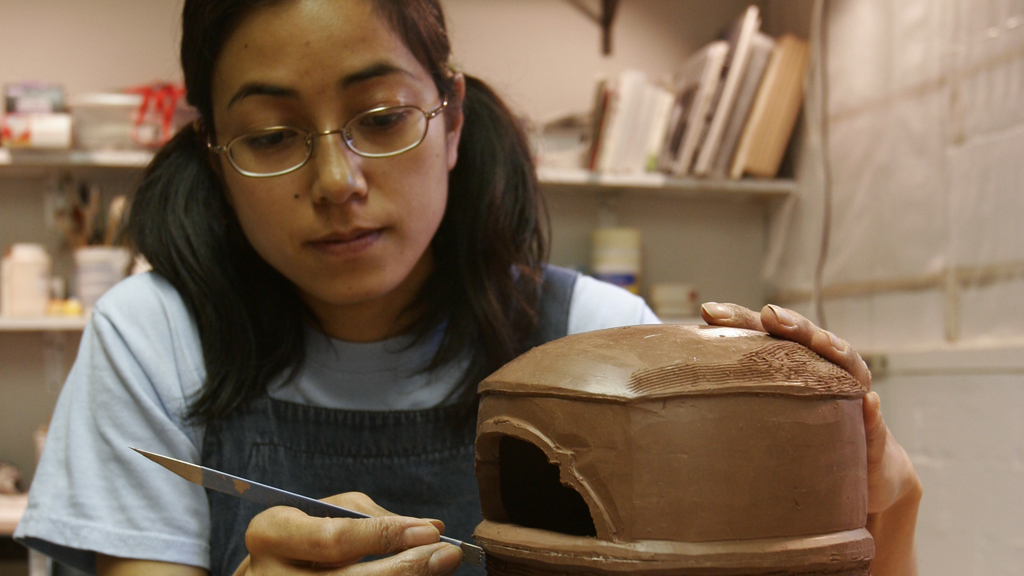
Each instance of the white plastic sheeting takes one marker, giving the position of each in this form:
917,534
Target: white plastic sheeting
926,121
888,192
986,177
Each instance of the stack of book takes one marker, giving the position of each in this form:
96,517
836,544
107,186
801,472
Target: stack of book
729,112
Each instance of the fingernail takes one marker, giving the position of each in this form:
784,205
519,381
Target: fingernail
783,316
437,524
835,341
717,311
420,535
445,560
876,403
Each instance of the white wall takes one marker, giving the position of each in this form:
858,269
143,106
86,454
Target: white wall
544,55
960,415
90,45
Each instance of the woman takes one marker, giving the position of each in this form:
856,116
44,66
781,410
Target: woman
344,245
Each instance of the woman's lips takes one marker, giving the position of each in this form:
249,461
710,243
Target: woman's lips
347,244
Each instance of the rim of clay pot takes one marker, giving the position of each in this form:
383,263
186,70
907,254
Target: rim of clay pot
556,552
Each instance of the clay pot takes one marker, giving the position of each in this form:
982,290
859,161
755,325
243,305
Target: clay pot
672,450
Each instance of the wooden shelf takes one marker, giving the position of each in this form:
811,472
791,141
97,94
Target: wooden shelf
44,324
746,189
41,162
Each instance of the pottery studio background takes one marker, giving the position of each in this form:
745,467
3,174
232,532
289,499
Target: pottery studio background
901,231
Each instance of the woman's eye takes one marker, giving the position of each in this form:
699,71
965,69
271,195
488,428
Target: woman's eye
384,120
271,140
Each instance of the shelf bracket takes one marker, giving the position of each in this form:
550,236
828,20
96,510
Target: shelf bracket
604,17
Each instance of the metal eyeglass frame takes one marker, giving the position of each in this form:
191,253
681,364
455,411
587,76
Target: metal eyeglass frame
312,136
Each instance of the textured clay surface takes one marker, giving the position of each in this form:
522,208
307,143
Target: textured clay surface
777,367
639,362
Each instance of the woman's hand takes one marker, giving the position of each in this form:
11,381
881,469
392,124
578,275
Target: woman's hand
285,540
894,489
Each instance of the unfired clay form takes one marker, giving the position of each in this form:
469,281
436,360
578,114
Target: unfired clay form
672,450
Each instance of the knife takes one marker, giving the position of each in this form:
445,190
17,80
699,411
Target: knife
270,496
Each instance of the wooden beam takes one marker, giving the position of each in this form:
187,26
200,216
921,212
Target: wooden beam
605,18
608,11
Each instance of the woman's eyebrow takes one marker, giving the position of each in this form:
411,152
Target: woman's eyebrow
368,73
262,89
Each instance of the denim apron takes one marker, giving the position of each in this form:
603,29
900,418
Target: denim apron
411,462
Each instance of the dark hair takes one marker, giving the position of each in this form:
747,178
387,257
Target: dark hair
489,249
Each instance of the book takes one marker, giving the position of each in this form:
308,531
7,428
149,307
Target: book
597,126
621,115
760,51
635,139
776,107
648,127
696,85
659,127
740,38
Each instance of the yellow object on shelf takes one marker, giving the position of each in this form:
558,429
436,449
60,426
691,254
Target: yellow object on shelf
615,257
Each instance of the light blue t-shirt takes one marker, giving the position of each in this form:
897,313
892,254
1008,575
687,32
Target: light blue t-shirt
139,363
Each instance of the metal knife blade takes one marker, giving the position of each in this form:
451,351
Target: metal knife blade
270,496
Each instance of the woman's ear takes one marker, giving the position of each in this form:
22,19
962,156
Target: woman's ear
455,119
203,139
213,161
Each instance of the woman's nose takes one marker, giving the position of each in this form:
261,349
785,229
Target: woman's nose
339,177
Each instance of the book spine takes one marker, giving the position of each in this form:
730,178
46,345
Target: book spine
737,70
659,128
760,52
597,127
773,117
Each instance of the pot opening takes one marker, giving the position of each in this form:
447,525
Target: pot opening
532,494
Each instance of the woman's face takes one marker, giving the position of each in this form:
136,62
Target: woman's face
351,233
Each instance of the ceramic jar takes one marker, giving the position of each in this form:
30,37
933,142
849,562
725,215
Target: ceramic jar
672,450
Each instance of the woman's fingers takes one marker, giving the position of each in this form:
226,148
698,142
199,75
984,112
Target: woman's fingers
730,315
891,474
284,533
433,560
785,323
881,491
362,503
359,502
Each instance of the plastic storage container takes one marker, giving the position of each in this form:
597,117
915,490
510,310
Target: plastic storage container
97,269
112,121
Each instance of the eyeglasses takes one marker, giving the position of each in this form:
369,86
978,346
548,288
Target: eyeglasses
377,133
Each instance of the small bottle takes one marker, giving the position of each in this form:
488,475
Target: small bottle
615,257
25,281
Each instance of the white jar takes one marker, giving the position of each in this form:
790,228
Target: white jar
615,257
25,281
97,269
